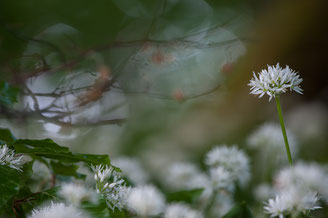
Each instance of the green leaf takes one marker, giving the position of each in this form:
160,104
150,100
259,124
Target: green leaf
98,211
6,137
117,214
66,169
239,211
187,196
29,200
11,181
8,93
47,148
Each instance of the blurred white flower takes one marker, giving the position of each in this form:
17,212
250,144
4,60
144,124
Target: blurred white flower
132,169
146,201
275,81
10,159
180,175
264,192
58,210
231,159
305,176
269,137
221,178
76,193
292,202
180,210
111,186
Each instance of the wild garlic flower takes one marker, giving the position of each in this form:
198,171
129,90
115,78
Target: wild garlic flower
275,81
132,169
180,210
304,176
76,193
293,202
111,186
231,159
9,158
221,178
180,175
146,201
58,210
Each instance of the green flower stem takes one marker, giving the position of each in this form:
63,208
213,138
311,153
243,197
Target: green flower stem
282,124
210,204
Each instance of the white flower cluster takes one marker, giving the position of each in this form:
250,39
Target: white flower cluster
9,158
299,188
77,193
268,138
146,201
58,210
180,210
304,176
111,186
225,162
292,202
275,81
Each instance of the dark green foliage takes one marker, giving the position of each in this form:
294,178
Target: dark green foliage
6,136
187,196
11,181
8,94
239,211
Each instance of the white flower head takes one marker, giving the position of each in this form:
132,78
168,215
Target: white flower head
294,201
132,169
304,176
180,210
180,175
221,178
275,81
77,193
146,201
58,210
9,158
111,186
231,159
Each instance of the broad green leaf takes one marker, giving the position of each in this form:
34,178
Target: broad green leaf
6,137
187,196
239,211
66,169
98,211
47,148
8,93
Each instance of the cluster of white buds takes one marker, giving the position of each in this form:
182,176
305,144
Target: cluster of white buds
111,186
275,81
9,158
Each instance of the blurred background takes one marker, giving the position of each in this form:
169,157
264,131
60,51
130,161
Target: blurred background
162,81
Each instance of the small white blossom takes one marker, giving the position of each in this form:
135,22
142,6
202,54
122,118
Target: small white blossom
146,201
231,159
221,178
58,210
132,169
111,186
8,158
304,176
180,210
76,193
180,175
293,202
275,81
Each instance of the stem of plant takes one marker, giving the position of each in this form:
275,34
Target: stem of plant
283,129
